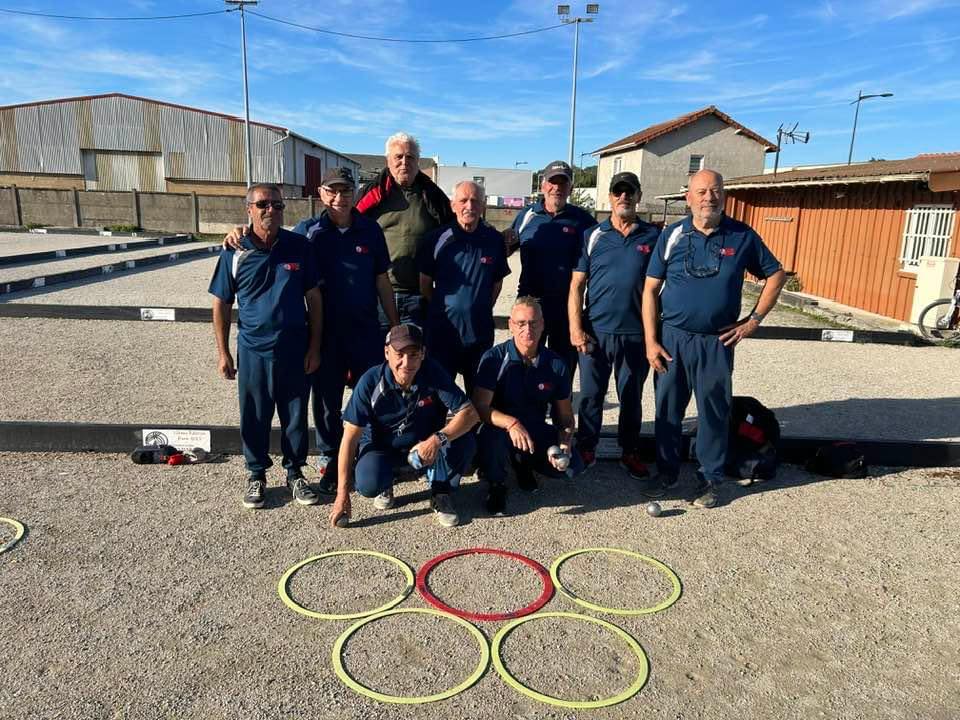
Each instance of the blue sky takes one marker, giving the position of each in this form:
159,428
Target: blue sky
499,102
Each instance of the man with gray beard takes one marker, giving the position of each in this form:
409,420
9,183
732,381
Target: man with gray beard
606,324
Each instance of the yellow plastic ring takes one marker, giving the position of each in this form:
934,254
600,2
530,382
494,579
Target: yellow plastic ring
396,699
634,688
297,607
674,596
18,529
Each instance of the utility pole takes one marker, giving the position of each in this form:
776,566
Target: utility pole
564,11
793,136
246,93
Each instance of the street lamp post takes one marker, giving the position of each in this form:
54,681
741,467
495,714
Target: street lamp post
246,93
564,11
860,98
518,163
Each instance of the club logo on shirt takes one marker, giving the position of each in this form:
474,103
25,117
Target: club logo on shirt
425,402
645,249
568,229
728,252
486,260
545,386
362,249
291,267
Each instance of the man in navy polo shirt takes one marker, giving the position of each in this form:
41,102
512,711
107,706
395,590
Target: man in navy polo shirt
462,266
517,383
611,271
353,260
550,235
697,271
398,407
269,276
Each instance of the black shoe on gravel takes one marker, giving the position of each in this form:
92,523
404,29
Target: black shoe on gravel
301,491
526,480
497,500
256,495
708,496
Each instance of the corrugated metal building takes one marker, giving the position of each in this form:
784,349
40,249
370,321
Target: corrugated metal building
856,233
122,142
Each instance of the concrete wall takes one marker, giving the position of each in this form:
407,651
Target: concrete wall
8,207
663,163
167,211
48,207
101,208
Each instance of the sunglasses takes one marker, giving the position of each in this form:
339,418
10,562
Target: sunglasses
621,190
264,204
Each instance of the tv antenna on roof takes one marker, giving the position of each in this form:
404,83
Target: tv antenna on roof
790,135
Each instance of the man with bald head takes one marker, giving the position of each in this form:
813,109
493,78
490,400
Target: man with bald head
407,205
462,266
696,273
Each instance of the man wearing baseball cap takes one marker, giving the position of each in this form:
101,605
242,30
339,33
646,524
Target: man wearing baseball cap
399,407
549,234
608,334
353,260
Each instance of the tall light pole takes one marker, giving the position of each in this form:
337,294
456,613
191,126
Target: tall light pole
564,12
246,92
860,98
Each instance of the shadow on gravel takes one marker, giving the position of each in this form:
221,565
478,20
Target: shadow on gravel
899,419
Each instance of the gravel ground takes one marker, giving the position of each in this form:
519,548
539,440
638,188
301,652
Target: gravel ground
15,243
51,267
155,373
148,592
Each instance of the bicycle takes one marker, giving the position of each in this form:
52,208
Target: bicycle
939,321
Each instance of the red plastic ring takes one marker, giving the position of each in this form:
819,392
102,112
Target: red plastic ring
432,599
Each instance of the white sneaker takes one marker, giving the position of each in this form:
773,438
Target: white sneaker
443,508
384,501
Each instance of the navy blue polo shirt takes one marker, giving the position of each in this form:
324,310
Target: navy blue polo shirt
703,274
616,267
349,262
524,391
549,248
269,286
464,267
391,418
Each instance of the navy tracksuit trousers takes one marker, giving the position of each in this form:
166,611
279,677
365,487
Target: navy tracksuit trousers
701,366
626,357
267,383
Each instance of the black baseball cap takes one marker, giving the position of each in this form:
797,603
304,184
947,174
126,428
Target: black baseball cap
625,178
404,336
558,167
337,176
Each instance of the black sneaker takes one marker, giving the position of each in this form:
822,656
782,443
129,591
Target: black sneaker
526,480
255,497
497,500
708,496
444,509
302,493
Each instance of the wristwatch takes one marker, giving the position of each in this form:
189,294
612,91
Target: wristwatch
442,437
757,316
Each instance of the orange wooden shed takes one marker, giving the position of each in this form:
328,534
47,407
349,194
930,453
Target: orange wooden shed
854,233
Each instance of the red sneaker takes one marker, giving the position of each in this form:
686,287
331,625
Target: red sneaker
631,463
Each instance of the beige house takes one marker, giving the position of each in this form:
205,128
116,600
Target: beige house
663,156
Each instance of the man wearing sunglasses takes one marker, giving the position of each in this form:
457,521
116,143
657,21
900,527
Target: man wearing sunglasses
696,273
549,234
353,260
269,277
610,272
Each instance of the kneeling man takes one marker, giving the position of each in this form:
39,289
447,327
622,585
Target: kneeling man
398,407
516,383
